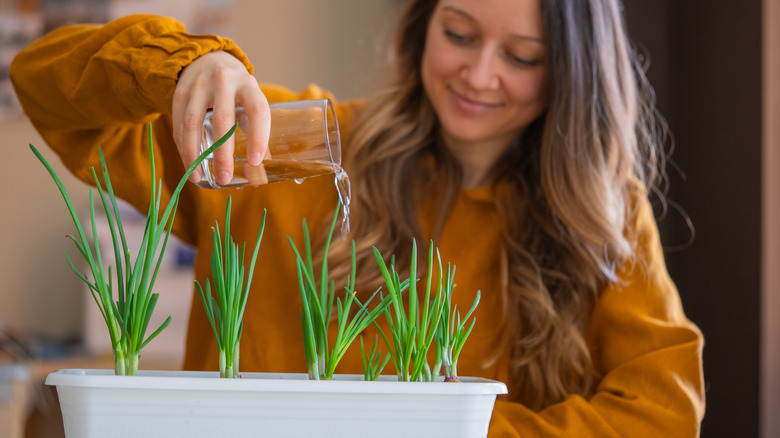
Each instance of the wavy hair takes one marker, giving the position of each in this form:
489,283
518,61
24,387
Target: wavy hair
569,181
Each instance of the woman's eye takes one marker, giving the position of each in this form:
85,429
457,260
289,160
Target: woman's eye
457,38
519,60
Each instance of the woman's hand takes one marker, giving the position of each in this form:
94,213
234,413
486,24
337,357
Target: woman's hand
220,81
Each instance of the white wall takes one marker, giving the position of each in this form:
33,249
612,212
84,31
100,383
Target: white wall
338,44
335,43
770,345
38,293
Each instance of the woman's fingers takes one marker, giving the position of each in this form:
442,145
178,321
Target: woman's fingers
222,119
187,117
218,81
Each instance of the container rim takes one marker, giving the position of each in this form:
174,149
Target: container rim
268,382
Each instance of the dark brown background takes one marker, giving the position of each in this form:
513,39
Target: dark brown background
706,68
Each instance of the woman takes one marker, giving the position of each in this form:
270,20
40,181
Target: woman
517,134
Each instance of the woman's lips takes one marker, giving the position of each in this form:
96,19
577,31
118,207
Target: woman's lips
471,105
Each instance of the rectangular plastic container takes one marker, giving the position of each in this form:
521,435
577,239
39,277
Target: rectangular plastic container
96,403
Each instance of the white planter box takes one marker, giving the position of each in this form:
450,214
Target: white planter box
96,403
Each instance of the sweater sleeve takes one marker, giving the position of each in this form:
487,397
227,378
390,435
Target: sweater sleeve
648,354
65,78
86,87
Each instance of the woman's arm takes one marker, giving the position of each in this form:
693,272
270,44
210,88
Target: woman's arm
649,354
86,87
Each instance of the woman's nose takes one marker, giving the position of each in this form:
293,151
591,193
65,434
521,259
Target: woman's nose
481,70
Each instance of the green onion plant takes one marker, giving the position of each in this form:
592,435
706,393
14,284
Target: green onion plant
412,331
127,318
452,332
373,364
318,298
226,311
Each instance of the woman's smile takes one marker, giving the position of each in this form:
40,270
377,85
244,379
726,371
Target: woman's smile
472,105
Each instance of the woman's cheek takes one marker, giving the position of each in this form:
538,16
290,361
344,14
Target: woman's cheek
529,87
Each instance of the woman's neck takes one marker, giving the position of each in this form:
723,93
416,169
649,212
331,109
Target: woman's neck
476,160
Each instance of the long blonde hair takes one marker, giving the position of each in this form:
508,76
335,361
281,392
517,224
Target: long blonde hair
570,179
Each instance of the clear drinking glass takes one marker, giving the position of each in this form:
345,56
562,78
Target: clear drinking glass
304,142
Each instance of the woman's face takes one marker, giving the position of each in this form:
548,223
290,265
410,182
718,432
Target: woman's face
484,69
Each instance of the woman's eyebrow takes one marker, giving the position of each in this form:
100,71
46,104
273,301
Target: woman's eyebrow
469,17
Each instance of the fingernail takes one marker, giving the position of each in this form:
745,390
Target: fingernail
223,177
195,177
255,159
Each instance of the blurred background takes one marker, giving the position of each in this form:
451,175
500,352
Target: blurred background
715,66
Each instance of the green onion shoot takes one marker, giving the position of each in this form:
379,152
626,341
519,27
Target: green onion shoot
226,311
318,300
127,318
373,364
452,331
412,331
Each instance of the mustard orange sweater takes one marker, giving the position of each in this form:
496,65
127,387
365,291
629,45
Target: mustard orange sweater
93,86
